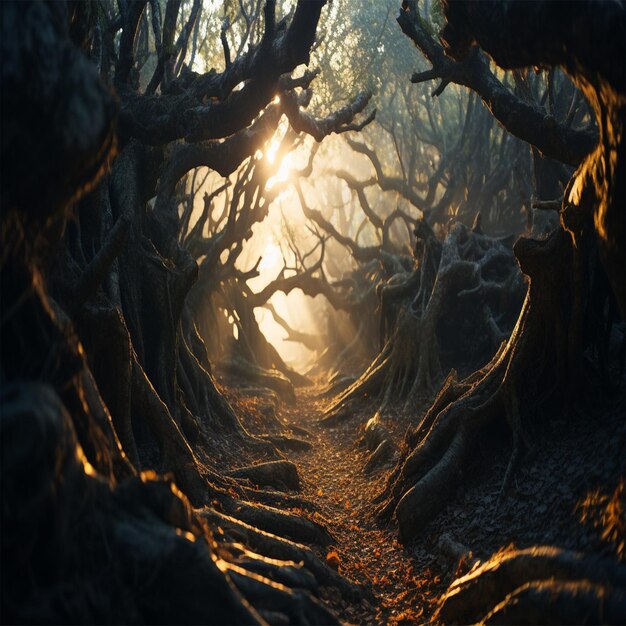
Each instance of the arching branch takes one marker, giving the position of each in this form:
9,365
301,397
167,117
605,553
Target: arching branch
520,118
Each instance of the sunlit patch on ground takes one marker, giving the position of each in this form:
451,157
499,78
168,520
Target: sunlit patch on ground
606,513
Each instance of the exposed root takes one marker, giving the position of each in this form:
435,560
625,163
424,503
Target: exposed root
278,499
476,270
278,548
281,523
297,606
272,379
540,585
382,454
138,540
284,572
337,384
455,552
276,600
369,383
519,438
552,602
176,454
439,449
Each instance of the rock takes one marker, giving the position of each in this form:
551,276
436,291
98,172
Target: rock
282,442
375,433
383,453
282,475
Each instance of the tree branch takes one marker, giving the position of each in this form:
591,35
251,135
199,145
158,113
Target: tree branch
306,339
337,122
389,183
98,267
520,118
210,108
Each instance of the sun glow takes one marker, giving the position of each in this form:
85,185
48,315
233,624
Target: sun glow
293,308
270,258
283,164
270,154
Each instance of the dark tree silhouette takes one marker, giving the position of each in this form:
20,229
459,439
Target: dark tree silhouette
103,371
543,356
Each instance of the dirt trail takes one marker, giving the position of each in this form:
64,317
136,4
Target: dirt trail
400,589
569,461
581,459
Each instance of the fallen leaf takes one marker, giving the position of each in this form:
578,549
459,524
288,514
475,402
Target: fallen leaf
333,560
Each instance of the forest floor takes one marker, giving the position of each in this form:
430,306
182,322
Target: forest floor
399,588
568,492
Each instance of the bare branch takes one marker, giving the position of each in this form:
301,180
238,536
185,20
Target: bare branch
166,46
183,38
359,253
389,183
225,46
131,15
98,267
306,339
520,118
209,107
337,122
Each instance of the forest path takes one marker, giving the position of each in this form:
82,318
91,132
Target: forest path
400,590
581,459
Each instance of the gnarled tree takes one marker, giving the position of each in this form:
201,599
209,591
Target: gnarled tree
104,375
543,356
